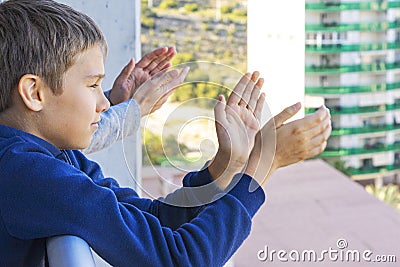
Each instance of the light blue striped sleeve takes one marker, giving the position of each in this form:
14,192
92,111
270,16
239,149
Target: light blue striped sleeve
117,122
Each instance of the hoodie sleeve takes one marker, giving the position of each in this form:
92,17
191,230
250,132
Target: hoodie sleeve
117,122
42,196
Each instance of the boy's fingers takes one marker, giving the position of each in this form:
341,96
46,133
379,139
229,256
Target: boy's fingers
162,99
255,75
166,90
165,67
286,114
244,101
162,62
156,67
127,70
248,90
159,82
255,95
237,92
155,64
259,107
149,57
183,74
219,111
170,86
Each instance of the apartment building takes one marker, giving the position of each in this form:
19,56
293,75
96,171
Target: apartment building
353,63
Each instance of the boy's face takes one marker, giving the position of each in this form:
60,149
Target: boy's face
72,117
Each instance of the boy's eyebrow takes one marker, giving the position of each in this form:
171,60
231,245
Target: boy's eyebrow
97,76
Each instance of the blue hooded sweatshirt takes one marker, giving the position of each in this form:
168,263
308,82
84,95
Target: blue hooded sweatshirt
48,192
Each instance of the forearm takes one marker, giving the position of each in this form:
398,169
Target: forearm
262,163
118,226
209,233
119,121
222,169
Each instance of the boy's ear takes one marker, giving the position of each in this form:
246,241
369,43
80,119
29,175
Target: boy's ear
30,89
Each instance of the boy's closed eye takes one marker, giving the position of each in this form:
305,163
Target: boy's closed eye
95,86
95,80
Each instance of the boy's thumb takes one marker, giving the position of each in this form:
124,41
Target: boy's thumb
219,108
286,114
127,70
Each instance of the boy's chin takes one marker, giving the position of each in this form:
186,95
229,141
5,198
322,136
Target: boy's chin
80,146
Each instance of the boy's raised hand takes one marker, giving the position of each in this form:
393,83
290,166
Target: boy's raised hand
237,123
295,141
134,75
155,92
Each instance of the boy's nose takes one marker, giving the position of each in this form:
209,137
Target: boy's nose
102,103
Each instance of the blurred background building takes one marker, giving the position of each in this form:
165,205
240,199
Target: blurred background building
353,63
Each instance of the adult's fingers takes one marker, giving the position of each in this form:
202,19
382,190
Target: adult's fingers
259,107
236,94
147,59
321,137
159,62
127,70
249,89
255,94
318,129
312,120
317,150
162,62
163,78
286,114
166,66
171,85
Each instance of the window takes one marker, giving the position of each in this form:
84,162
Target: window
367,163
323,81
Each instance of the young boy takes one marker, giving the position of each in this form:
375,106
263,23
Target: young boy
50,105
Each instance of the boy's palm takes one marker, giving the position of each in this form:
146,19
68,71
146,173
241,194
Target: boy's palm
236,129
237,121
151,64
133,76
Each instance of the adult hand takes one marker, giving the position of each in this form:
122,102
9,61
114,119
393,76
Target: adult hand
237,122
134,75
155,92
296,141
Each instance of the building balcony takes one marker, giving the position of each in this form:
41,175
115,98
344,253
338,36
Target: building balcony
338,90
337,111
365,129
337,69
375,169
376,148
339,48
345,27
340,6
